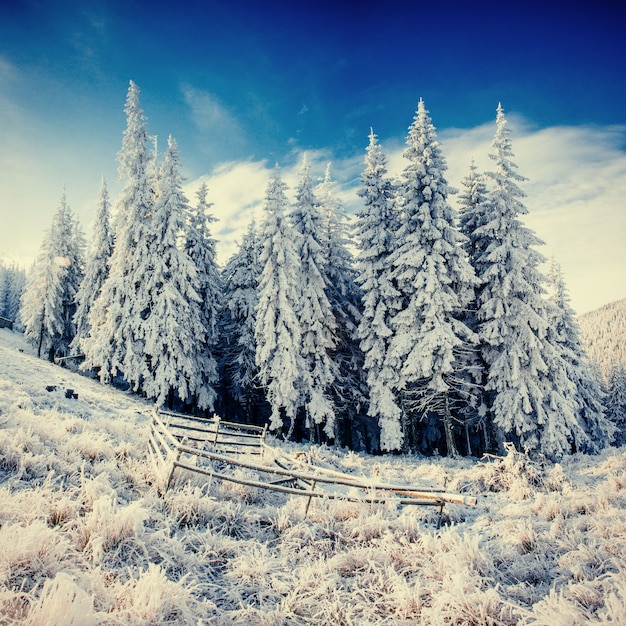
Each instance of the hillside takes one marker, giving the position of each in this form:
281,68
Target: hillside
87,535
603,333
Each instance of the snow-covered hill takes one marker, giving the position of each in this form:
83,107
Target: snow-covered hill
87,537
603,333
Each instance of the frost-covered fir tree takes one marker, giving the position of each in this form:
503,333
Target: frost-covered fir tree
315,313
436,282
201,248
242,275
116,344
472,215
348,391
616,401
172,330
96,269
375,231
12,283
590,431
278,336
3,288
531,399
49,299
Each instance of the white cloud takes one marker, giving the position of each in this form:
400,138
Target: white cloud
575,195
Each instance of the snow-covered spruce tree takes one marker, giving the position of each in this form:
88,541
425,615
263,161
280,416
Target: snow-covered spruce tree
315,314
349,389
436,283
242,275
282,367
49,299
116,345
96,268
375,231
472,215
41,301
172,328
201,248
4,288
591,430
531,399
616,401
12,287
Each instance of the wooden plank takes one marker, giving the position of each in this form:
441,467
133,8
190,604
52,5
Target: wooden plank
250,452
242,435
212,420
161,439
156,447
164,432
243,444
192,428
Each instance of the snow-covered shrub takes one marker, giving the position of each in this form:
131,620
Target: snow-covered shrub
108,524
31,553
151,598
93,446
515,473
189,506
63,603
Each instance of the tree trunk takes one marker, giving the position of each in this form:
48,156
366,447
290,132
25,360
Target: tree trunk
447,425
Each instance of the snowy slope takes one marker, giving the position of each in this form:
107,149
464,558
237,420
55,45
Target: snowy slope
603,333
86,537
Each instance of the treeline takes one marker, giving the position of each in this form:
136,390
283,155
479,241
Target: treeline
441,335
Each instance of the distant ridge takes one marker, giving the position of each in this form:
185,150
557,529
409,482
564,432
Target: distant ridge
603,333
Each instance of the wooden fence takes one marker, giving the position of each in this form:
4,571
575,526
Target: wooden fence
211,446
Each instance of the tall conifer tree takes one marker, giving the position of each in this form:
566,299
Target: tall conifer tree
472,202
531,399
590,431
241,297
96,269
201,248
12,284
116,344
348,391
375,231
172,331
49,299
278,336
616,401
317,322
436,283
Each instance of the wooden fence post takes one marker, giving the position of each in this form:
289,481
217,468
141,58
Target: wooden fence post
171,473
308,502
217,430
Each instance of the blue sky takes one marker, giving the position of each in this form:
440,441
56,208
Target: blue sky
242,85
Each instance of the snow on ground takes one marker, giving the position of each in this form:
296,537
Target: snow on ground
88,537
